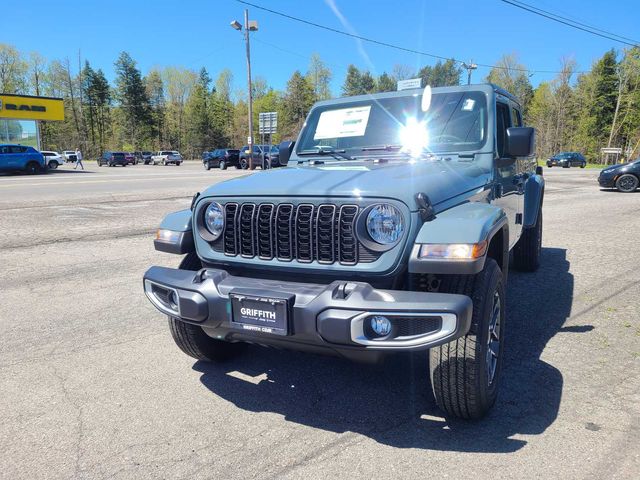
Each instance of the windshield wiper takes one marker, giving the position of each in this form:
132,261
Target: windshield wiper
327,151
387,148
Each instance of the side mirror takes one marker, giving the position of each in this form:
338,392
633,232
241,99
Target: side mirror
521,141
285,149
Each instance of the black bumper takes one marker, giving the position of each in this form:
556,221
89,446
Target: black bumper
607,181
322,318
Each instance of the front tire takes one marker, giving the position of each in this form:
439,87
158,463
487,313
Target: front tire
32,168
53,165
243,164
526,253
627,183
465,373
192,339
223,165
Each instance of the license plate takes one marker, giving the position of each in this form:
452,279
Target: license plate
257,313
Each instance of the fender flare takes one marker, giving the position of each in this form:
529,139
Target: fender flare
533,198
468,223
175,234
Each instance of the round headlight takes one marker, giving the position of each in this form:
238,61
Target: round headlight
214,219
385,224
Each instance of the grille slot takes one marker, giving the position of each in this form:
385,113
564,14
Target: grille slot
230,239
303,232
326,233
347,242
264,231
284,231
246,229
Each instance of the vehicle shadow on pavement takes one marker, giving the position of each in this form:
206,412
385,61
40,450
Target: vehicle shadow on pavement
392,403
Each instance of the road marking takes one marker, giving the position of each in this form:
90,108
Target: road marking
85,182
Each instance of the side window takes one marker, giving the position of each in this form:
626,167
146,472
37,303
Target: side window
502,123
4,150
516,118
17,149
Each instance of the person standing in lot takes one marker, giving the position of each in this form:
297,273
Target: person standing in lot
78,159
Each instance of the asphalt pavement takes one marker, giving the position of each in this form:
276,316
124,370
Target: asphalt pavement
92,386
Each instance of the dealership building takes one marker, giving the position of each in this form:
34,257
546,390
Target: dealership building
20,117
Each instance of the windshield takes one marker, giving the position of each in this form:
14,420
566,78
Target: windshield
455,121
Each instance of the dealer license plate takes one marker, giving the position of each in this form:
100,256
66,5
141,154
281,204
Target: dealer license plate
262,314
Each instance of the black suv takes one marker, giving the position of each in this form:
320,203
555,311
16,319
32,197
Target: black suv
221,157
112,159
271,156
567,159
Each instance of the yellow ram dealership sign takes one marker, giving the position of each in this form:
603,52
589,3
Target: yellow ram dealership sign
27,107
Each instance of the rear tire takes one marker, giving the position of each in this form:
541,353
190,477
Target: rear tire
465,373
526,253
53,165
627,183
223,165
243,164
192,339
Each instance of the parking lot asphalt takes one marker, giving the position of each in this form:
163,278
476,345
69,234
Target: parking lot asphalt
92,386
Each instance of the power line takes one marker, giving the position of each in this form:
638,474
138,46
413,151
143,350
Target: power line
573,23
389,45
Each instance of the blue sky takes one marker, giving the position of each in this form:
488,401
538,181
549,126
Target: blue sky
196,33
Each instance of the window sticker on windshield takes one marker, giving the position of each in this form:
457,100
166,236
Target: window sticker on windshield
347,122
468,104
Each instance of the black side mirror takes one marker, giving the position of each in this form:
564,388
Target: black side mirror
285,149
521,141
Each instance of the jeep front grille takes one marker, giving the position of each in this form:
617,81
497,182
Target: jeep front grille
304,232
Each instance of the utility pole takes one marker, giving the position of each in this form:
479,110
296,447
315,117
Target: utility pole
249,26
470,67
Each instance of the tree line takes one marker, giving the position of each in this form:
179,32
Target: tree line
188,110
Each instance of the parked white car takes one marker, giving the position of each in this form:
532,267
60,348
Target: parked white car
166,157
52,159
69,155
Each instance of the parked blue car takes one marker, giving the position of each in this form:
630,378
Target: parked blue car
21,158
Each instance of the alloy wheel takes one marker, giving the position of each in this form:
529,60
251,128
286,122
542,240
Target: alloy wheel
493,339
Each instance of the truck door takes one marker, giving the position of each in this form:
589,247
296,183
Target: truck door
509,180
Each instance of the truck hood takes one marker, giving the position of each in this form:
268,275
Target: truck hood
395,179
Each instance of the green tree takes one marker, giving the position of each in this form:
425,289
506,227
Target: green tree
155,92
442,74
513,77
319,76
298,100
352,82
385,83
101,98
131,94
13,70
367,83
200,131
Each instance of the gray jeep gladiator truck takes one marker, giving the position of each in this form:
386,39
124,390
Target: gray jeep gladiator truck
390,230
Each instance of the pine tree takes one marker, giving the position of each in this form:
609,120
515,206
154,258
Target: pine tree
385,83
367,83
299,99
353,82
133,100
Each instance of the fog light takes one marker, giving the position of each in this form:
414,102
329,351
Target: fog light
173,299
380,325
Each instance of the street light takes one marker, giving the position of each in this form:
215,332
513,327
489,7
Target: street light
469,67
249,26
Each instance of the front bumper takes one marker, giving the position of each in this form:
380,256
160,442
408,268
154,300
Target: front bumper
607,180
322,318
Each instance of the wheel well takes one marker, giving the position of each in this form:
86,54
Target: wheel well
499,250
